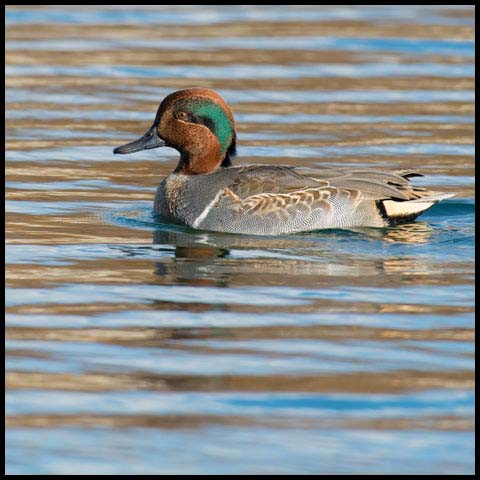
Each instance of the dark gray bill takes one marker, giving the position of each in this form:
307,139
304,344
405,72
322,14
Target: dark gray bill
148,141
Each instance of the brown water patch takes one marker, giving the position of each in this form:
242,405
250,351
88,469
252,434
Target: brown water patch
348,28
357,382
217,56
163,337
24,228
421,82
451,423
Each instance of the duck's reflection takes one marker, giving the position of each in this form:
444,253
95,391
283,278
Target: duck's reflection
193,262
305,260
412,233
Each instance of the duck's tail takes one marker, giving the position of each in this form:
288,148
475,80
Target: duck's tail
397,212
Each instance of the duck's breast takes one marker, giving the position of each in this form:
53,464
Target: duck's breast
186,199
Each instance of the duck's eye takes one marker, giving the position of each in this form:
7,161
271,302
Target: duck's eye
181,115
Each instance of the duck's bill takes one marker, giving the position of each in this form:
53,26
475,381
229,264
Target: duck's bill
148,141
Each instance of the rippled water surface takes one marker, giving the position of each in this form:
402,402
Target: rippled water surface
138,347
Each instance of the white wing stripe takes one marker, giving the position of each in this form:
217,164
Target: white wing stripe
206,211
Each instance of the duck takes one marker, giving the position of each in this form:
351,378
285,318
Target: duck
207,192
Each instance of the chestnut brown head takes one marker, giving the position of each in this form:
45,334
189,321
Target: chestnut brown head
199,124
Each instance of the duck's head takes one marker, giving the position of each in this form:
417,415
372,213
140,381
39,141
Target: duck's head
199,124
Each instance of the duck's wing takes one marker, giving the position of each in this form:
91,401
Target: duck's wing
370,184
259,179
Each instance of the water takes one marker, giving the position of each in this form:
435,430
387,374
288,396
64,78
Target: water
139,347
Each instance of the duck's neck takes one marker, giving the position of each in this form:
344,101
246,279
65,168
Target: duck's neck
198,163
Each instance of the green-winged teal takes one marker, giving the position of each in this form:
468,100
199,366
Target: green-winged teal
206,192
